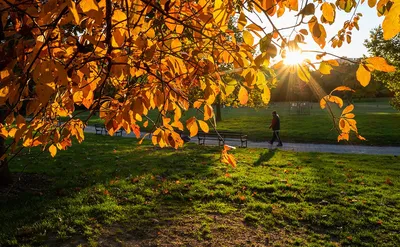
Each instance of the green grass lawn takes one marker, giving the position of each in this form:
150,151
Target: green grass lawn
110,192
377,121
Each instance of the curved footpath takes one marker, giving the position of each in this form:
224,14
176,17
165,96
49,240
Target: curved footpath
300,147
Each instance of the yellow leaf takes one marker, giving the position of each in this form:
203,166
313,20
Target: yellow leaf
118,16
53,150
88,5
145,124
336,100
294,5
379,63
12,132
193,129
303,73
117,38
243,95
328,12
281,11
220,13
229,89
361,138
261,81
226,147
343,136
3,131
231,160
344,126
391,24
176,45
242,21
266,96
208,112
322,103
197,104
353,124
343,88
371,3
325,68
248,38
227,158
4,74
74,12
318,32
203,126
4,91
363,75
348,109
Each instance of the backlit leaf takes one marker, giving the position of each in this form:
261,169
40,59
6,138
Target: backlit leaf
74,12
248,38
88,5
328,11
194,129
325,68
363,75
336,100
220,13
266,95
242,21
208,112
348,109
343,88
391,23
322,103
204,126
243,95
303,73
379,63
53,150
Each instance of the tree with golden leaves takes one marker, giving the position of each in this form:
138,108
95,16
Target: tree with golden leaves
123,58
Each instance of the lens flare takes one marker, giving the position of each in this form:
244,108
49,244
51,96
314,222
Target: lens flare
293,58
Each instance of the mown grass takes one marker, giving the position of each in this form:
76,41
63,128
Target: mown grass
110,192
376,121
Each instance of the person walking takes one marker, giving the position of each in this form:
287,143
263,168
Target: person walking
276,126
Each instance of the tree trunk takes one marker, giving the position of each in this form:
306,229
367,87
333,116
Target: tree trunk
218,116
5,174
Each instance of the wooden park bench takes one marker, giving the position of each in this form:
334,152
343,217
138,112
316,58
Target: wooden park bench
221,136
100,128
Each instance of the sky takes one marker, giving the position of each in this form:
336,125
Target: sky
355,49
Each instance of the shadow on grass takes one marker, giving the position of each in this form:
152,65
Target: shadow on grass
100,182
265,157
346,192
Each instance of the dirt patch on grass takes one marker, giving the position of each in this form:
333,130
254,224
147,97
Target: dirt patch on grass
32,183
194,230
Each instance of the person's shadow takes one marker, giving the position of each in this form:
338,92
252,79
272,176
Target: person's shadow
265,157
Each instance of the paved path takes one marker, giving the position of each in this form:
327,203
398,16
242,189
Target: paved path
301,147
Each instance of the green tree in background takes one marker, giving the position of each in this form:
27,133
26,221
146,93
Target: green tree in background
390,50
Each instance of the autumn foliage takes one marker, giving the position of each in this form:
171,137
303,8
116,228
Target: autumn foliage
123,58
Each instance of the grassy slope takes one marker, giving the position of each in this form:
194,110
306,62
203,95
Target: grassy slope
377,122
108,191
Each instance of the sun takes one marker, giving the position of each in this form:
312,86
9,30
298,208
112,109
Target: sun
293,57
